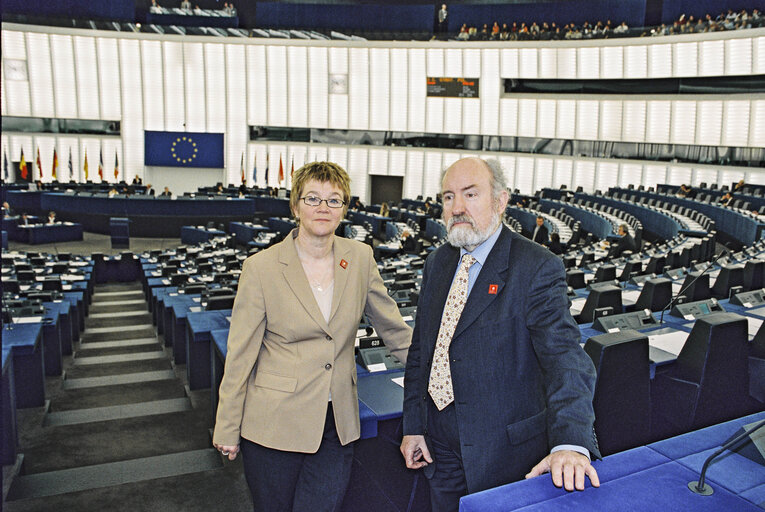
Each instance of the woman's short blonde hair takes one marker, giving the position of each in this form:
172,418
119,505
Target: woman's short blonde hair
321,172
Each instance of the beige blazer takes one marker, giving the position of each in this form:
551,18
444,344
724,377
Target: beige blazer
284,359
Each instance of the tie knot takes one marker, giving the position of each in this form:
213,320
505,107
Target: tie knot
467,260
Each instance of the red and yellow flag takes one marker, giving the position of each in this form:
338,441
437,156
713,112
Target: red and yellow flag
54,167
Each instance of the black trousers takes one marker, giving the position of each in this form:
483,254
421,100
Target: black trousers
448,484
282,481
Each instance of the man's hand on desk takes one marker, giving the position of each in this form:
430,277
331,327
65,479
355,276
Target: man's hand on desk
415,452
568,469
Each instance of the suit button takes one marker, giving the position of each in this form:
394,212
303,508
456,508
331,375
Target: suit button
328,337
327,366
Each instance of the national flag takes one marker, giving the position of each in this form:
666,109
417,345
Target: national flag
54,167
85,166
116,166
5,166
255,172
71,169
281,170
244,179
39,164
292,171
101,164
23,167
266,169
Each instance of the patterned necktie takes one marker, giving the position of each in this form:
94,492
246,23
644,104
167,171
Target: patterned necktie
440,385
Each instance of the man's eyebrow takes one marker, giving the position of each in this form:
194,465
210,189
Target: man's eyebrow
462,189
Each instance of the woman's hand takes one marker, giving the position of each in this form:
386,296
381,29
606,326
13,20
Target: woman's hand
230,451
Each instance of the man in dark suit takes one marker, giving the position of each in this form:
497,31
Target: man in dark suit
540,234
625,243
496,387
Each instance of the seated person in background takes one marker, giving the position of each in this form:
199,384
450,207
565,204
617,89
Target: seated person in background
112,192
685,191
540,234
625,243
357,205
155,8
219,189
39,184
739,186
384,209
243,189
24,220
463,35
555,246
137,180
727,199
51,217
166,193
186,5
6,209
197,10
522,203
408,243
621,29
149,190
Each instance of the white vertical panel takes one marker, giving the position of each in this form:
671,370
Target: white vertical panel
257,90
175,89
415,165
491,87
735,128
508,167
509,64
547,118
757,134
528,63
524,174
431,183
709,123
153,87
236,118
471,108
131,126
729,176
636,61
685,59
612,62
196,113
508,117
318,87
658,121
679,175
634,119
588,63
338,103
471,62
566,124
40,75
588,112
543,177
452,62
452,121
631,174
564,173
276,78
607,175
399,92
87,76
417,90
109,78
704,175
548,63
654,174
112,149
15,93
435,106
44,144
659,60
610,120
397,165
449,157
738,56
358,89
339,155
758,55
584,175
435,62
712,58
379,89
297,83
683,124
65,90
378,162
527,117
358,170
567,63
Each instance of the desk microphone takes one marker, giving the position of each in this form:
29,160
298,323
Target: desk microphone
677,296
699,487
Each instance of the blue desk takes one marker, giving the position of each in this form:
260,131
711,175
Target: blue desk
245,232
192,235
191,20
77,300
5,240
175,324
25,342
281,225
10,439
376,221
652,477
64,310
591,221
200,325
52,343
49,233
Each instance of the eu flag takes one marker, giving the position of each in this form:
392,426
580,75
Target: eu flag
183,149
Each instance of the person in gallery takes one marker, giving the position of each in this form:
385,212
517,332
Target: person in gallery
288,399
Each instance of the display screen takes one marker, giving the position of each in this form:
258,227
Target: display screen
445,87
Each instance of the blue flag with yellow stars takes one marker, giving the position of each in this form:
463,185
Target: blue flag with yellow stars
183,149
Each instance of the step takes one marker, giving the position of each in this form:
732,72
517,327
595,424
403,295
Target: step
119,358
121,343
120,314
114,473
116,412
116,380
112,329
107,297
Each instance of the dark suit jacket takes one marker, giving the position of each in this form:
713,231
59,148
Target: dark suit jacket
522,384
542,235
625,243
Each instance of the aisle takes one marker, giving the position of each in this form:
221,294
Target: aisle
121,431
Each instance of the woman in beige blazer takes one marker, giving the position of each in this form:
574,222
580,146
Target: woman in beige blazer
288,398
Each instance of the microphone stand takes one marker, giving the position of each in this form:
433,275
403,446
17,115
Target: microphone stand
676,297
699,487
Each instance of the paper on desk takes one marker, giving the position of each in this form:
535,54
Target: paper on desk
66,287
28,320
377,367
754,325
166,281
408,318
195,309
399,381
196,299
671,342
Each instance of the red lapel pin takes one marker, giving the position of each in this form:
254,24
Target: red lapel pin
493,289
343,263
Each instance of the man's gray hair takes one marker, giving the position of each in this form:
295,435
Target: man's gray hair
498,182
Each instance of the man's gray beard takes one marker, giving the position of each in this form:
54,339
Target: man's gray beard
464,236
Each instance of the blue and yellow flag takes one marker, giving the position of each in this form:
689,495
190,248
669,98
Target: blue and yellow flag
183,149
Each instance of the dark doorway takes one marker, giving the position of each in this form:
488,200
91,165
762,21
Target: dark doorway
386,189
